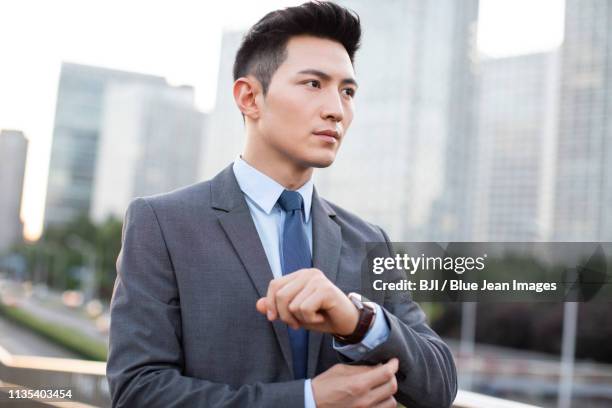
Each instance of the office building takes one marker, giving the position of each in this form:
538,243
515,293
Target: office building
518,105
77,126
583,189
13,152
149,143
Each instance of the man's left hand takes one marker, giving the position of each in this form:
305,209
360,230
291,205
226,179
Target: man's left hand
306,298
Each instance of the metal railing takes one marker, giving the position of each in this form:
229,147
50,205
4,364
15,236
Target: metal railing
87,381
467,399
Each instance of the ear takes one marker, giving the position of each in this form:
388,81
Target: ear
246,94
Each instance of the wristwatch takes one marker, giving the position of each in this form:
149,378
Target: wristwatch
367,314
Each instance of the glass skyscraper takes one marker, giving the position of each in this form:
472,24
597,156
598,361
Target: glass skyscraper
13,152
583,190
76,131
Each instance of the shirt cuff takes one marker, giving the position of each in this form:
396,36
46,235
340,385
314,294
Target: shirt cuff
309,401
378,333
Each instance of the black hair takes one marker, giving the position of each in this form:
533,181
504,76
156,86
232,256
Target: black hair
263,48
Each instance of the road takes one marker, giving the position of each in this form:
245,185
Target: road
47,306
18,340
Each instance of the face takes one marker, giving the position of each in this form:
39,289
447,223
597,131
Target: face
309,105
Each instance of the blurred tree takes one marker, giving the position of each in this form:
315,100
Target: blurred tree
535,326
108,244
53,259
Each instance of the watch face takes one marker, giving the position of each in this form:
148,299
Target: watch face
356,299
354,295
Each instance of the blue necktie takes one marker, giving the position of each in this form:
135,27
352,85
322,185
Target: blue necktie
296,255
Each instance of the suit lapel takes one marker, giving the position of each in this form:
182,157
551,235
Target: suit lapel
236,221
326,243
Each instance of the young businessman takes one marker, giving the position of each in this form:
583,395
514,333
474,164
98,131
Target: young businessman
233,292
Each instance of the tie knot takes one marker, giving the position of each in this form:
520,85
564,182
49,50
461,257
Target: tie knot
290,200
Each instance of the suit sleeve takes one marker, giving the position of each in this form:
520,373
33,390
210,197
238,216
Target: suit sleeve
427,376
146,362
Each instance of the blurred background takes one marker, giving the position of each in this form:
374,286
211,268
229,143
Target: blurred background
484,120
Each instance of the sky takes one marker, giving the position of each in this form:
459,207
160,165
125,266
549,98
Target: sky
179,40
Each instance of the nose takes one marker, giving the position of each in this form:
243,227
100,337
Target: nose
332,107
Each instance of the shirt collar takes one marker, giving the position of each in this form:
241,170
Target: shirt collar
263,190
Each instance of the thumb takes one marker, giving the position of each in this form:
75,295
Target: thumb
393,363
261,305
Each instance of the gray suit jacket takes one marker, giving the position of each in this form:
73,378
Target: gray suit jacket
184,328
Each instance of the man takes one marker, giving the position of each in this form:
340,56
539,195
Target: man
233,292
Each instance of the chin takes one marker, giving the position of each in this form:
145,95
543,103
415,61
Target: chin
322,160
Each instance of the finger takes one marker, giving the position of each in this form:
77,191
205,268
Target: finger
380,374
351,369
261,305
382,393
274,286
295,307
277,284
388,403
311,305
284,296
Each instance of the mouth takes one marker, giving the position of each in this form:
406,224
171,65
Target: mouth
329,135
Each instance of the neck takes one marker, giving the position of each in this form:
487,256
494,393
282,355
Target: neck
276,166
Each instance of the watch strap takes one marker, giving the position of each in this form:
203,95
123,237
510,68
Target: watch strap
367,313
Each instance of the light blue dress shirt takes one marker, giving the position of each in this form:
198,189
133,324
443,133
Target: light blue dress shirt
261,193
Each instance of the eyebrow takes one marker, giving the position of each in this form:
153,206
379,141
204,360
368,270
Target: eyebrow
327,77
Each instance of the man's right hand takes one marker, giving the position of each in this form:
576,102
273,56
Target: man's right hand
355,386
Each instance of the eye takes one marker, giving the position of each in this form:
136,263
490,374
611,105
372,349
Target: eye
349,92
316,83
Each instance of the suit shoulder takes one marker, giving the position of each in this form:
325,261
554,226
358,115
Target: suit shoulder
179,199
353,223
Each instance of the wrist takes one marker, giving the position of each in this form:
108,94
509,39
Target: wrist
349,323
362,317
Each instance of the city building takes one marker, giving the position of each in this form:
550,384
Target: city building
76,131
226,128
583,189
406,162
518,105
13,152
149,143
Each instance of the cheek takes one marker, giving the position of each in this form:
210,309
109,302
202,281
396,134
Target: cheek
288,115
288,108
